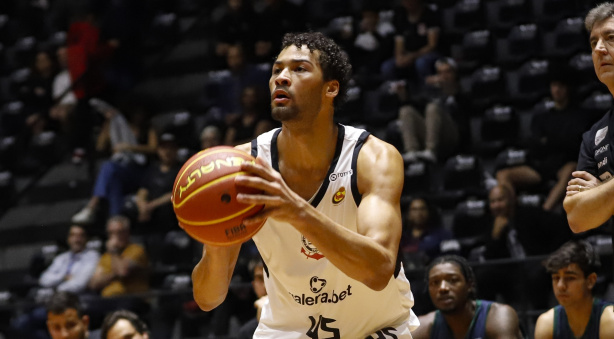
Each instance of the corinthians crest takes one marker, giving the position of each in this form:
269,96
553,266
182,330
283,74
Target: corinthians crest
309,250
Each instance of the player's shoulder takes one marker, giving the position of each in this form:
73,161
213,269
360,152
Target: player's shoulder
607,317
247,147
544,325
499,311
376,149
426,326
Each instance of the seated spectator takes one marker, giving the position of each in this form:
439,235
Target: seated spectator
517,232
210,136
68,272
64,100
453,289
573,268
444,126
235,23
422,234
247,330
123,268
36,92
554,146
416,42
65,318
130,142
252,119
72,270
277,18
153,198
123,324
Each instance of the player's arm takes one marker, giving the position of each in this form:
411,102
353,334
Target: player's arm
426,325
211,276
502,322
544,326
591,208
606,326
368,255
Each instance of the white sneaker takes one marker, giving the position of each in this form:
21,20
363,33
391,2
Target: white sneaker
410,156
427,155
85,216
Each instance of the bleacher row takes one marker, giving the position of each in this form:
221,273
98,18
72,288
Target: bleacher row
505,49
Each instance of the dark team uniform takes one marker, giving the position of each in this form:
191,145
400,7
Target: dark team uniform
561,324
477,329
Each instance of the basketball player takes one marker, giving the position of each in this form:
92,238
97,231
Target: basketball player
573,268
590,194
459,314
333,219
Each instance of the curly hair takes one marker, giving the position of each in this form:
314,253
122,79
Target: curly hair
113,317
333,60
464,267
578,252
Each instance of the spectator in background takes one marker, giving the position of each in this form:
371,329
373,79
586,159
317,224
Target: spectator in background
553,149
235,24
453,290
64,100
153,198
72,270
130,142
416,40
276,19
573,268
223,89
518,232
36,93
252,119
123,268
65,318
123,324
444,126
210,136
247,330
422,234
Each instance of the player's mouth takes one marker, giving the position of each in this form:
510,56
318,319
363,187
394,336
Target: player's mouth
280,96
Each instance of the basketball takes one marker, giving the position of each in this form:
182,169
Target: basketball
204,197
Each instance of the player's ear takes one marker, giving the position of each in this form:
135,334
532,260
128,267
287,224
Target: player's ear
592,280
332,88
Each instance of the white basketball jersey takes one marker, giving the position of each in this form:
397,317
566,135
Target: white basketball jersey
308,296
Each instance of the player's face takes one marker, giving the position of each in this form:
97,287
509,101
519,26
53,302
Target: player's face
448,288
67,325
123,329
570,286
602,45
76,239
296,84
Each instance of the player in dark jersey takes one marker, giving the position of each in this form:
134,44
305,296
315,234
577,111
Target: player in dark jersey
459,314
578,315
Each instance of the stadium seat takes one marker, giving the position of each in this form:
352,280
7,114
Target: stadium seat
584,78
463,173
567,38
498,129
475,49
471,224
528,83
417,178
521,43
597,104
548,12
487,85
503,14
466,15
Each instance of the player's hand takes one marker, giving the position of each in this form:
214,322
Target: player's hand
281,203
581,182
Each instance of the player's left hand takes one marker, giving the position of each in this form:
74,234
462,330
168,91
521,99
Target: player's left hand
281,203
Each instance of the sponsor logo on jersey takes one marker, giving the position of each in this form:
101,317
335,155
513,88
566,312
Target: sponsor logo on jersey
316,285
309,250
339,196
600,135
601,149
605,176
602,162
335,176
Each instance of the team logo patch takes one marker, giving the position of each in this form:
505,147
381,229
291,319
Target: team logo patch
316,284
309,250
600,135
339,196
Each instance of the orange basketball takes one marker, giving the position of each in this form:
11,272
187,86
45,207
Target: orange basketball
204,197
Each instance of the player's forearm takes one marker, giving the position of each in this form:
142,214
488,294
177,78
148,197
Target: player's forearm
358,256
590,209
211,276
